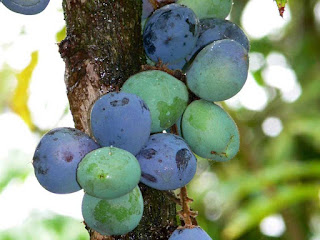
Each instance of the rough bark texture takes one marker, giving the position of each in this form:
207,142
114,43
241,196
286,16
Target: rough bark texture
102,49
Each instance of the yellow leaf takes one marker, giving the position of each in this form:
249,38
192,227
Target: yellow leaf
61,34
19,103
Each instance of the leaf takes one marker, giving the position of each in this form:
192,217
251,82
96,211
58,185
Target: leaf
281,5
250,216
61,34
241,187
20,97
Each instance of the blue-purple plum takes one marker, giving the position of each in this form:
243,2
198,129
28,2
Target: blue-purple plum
26,7
122,120
57,156
166,162
170,33
213,29
190,234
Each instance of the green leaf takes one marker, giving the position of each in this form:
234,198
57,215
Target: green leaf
241,187
281,5
258,77
20,97
61,34
250,215
48,226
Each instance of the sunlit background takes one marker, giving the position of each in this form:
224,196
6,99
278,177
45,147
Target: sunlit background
269,191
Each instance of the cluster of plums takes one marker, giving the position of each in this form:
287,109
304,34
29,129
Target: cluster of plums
132,138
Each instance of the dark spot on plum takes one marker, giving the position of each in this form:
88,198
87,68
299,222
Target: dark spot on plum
143,105
103,109
36,158
121,129
52,132
148,41
185,36
68,156
160,161
125,101
166,15
167,40
117,103
184,44
192,26
178,16
148,153
78,133
42,171
149,177
183,157
55,139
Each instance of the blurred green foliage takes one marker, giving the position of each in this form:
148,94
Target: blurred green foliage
47,227
270,175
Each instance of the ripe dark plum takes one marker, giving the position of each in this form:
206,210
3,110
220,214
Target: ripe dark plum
121,120
213,29
57,156
166,162
190,234
170,33
26,7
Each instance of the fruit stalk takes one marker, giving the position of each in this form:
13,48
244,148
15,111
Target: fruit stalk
102,49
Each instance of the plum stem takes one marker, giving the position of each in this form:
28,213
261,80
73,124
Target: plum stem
186,214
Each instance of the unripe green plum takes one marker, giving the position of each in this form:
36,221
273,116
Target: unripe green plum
113,216
209,8
108,172
210,131
166,96
219,71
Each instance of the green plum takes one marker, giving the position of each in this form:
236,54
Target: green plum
209,8
108,172
166,96
210,131
219,71
113,216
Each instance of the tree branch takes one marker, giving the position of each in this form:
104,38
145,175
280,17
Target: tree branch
102,49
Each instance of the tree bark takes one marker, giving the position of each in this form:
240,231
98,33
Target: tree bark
102,49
